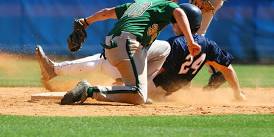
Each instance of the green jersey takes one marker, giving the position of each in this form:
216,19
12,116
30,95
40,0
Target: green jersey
144,18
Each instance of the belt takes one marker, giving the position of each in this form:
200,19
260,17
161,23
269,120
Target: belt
109,40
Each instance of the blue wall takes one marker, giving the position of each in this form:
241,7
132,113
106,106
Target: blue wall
243,27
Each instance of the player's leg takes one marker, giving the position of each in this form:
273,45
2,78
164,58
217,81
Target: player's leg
157,54
78,66
129,57
92,64
46,65
208,16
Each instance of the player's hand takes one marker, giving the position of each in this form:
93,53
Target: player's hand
240,96
194,49
84,22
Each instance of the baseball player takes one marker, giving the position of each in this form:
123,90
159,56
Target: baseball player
181,67
126,46
209,8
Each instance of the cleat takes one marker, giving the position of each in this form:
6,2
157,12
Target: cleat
46,65
77,94
215,81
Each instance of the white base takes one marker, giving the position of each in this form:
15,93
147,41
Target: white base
48,95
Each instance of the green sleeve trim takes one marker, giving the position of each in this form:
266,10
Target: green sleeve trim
170,8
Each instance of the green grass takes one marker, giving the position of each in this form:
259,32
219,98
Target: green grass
189,126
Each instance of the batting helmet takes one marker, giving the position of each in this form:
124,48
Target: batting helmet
194,16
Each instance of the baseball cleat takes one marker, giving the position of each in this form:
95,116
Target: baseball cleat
77,94
46,65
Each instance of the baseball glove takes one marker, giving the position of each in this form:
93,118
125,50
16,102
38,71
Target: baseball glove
78,36
204,5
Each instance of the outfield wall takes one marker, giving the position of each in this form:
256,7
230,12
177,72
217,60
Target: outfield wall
243,27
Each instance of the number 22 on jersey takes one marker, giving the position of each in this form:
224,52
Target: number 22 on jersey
190,63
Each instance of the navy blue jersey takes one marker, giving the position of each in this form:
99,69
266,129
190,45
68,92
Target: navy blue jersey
180,67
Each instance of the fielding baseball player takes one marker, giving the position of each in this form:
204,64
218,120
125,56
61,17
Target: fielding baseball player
179,68
126,46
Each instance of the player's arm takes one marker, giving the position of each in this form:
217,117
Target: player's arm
231,77
221,60
107,13
104,14
183,25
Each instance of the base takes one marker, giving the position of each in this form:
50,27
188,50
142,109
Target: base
48,95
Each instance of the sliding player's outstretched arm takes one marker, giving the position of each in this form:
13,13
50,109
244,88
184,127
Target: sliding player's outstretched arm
231,77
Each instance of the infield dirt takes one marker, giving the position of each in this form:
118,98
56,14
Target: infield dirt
17,101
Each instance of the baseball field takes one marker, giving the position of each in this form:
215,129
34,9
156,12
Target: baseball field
190,112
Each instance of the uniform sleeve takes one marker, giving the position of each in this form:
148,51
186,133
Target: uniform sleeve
170,8
170,62
215,53
121,9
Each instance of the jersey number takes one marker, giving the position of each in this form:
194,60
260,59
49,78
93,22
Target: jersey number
137,9
193,65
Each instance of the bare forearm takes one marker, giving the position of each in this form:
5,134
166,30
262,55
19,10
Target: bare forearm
183,24
229,74
104,14
231,77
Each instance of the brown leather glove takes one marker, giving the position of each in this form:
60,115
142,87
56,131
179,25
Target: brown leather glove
78,36
204,5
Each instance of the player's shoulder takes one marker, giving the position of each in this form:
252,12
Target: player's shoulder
177,40
200,39
178,43
165,3
203,41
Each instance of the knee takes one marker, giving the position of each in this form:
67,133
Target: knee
164,46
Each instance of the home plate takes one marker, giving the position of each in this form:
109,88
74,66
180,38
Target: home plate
48,95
